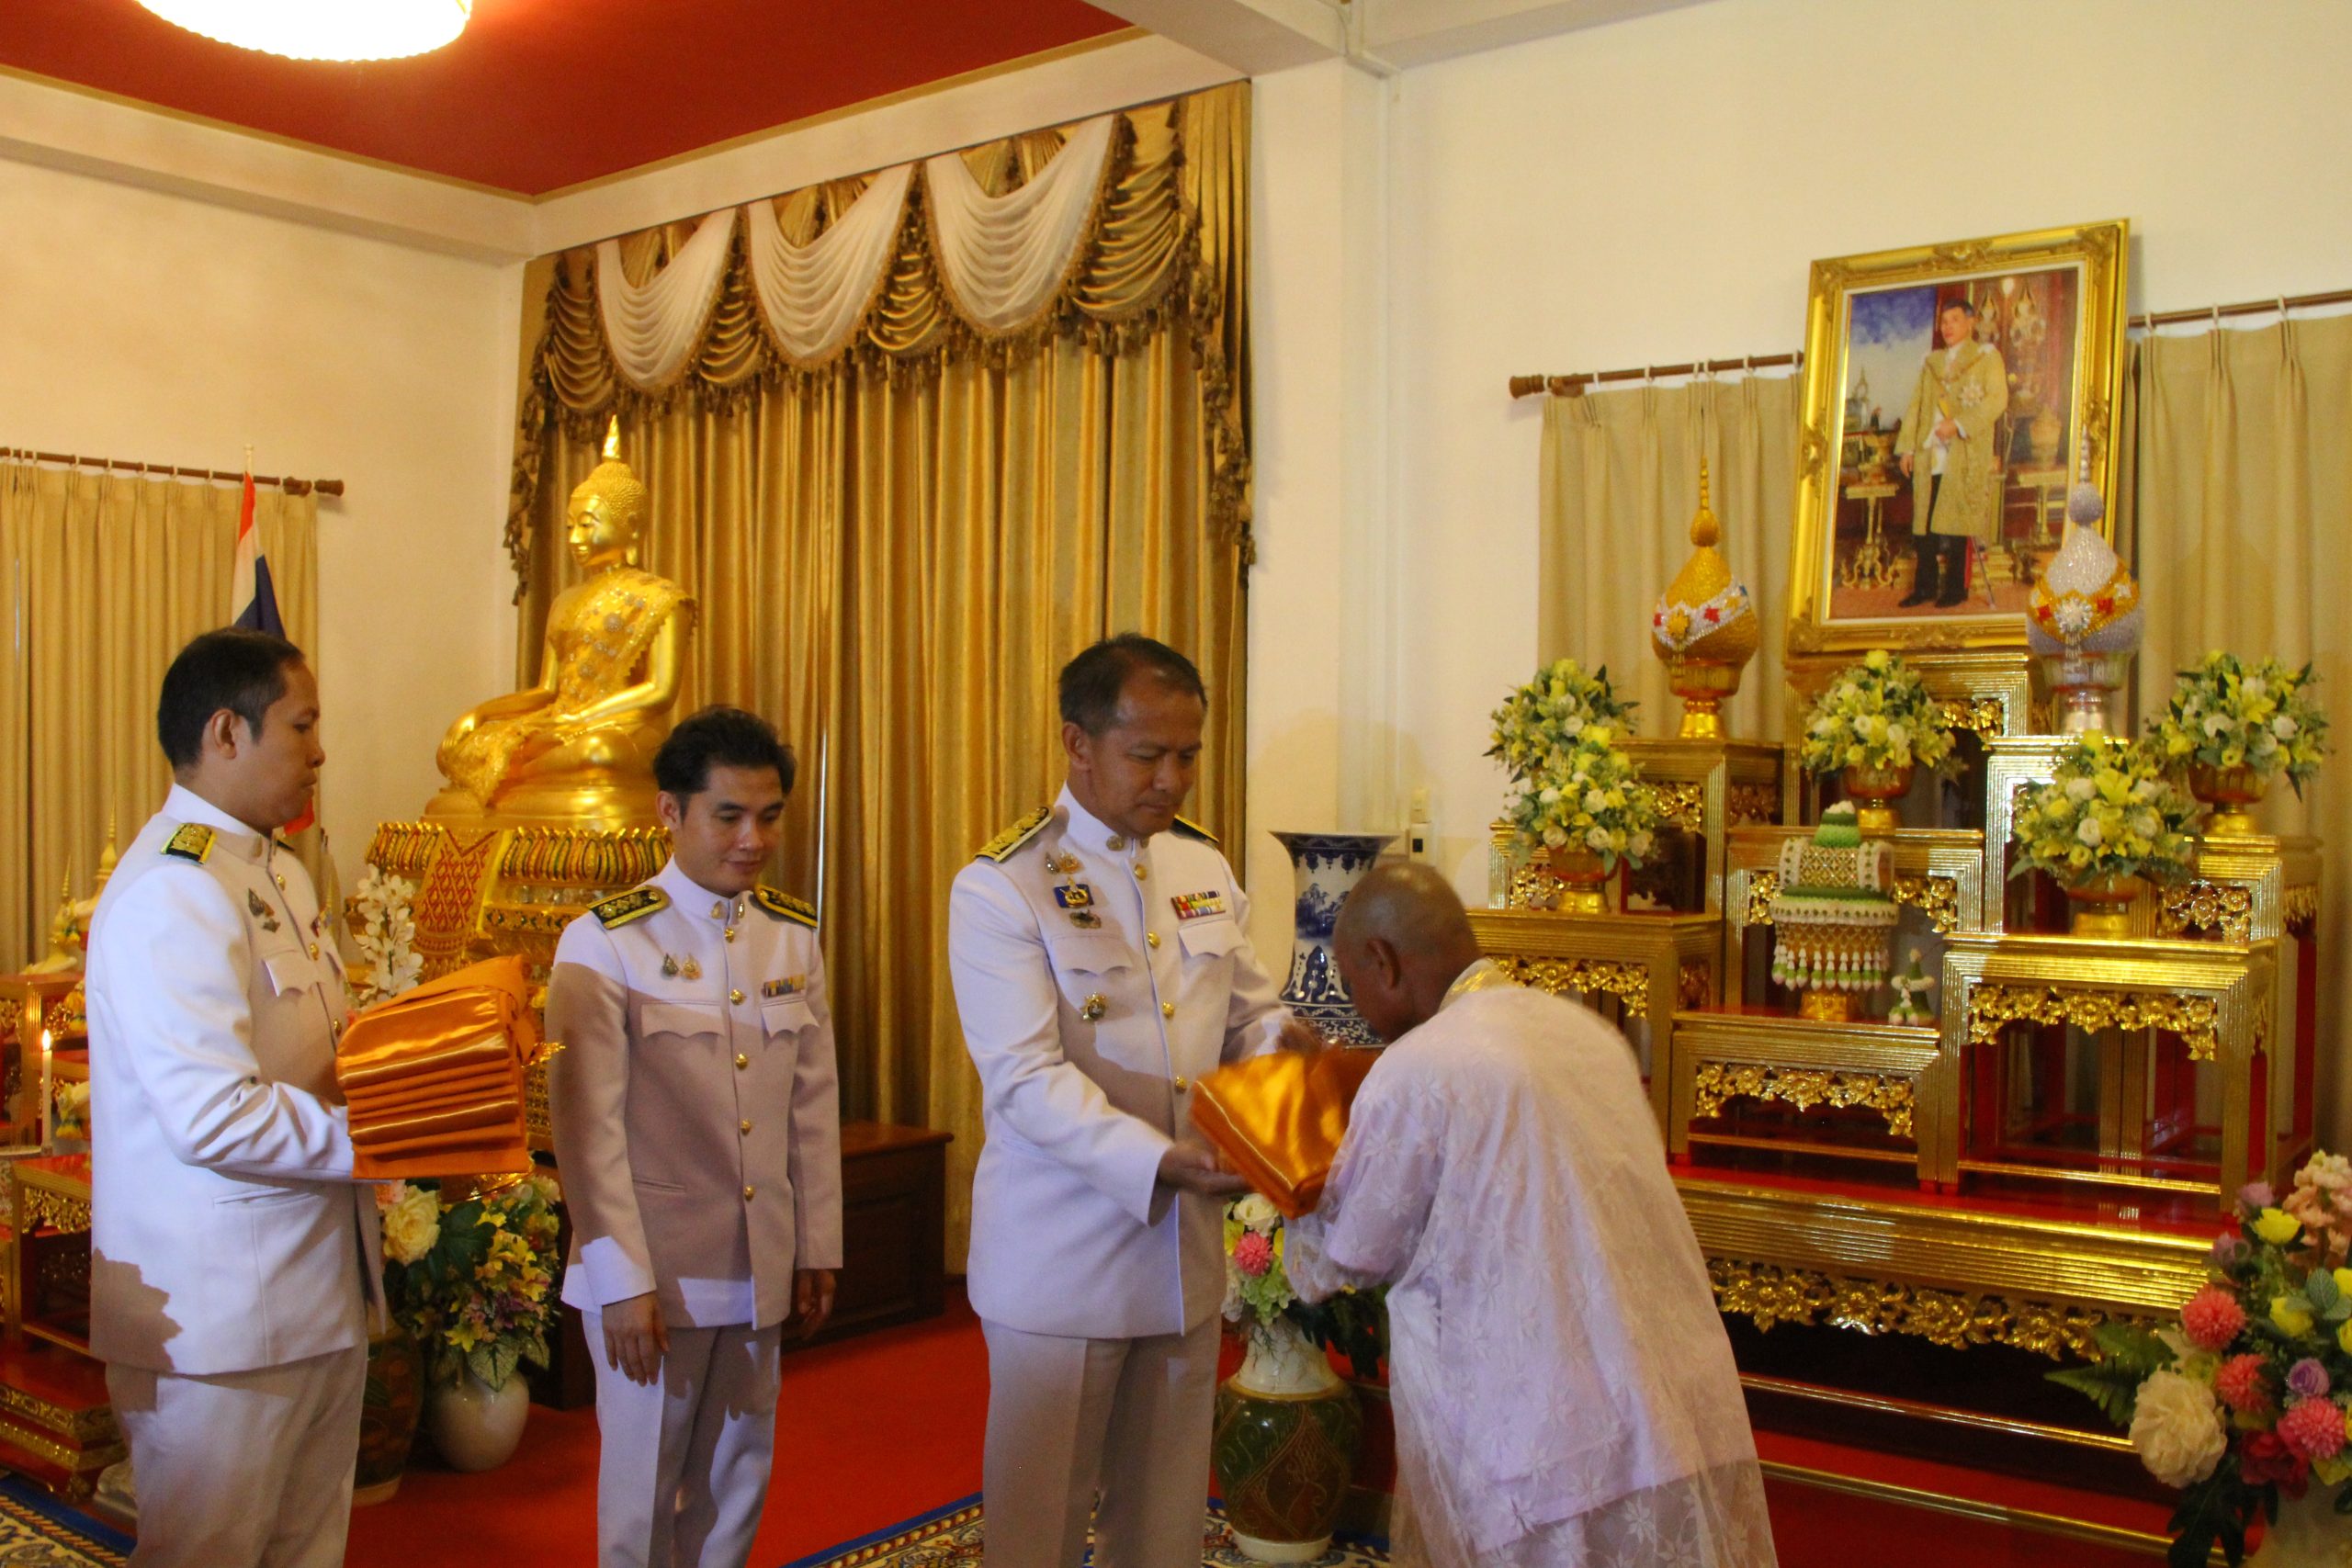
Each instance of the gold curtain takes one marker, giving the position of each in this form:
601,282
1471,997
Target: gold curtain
1619,483
895,551
2243,451
108,576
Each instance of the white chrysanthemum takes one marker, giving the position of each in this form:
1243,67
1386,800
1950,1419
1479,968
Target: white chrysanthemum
2177,1428
1258,1214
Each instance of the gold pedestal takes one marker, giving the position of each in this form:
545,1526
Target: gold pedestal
2229,791
1826,1007
1705,685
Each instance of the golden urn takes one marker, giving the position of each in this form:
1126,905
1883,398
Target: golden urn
1704,627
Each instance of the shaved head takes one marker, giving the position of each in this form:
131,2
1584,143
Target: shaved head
1402,940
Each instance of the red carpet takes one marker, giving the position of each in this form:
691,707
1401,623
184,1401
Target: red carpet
884,1427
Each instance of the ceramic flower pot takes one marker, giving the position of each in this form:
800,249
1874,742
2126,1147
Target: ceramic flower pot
476,1428
2100,907
1873,791
388,1415
2310,1534
2229,791
1285,1447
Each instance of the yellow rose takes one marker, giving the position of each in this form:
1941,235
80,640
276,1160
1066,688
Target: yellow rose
2276,1226
411,1225
2344,1338
2292,1315
2344,1280
1876,659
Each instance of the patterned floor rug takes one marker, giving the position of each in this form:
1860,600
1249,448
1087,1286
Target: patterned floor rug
951,1536
36,1531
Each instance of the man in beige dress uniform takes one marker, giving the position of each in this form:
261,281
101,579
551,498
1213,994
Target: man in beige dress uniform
233,1258
698,1130
1102,963
1946,444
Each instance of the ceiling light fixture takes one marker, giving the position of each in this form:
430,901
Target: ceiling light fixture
306,29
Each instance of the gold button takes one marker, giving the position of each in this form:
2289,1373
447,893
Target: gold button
734,995
747,1126
1167,1009
1117,843
315,951
730,933
741,1061
1151,939
1179,1083
279,880
718,912
747,1194
1143,871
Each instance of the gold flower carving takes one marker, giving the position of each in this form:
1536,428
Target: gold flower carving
39,1207
1683,805
2194,1018
1629,981
1762,885
1772,1295
1804,1088
2202,905
1695,985
1752,802
1938,897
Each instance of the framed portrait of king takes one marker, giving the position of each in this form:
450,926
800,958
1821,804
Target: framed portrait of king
1954,394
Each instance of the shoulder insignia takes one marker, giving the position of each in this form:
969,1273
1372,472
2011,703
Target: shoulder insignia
190,841
1000,847
1193,831
633,905
785,906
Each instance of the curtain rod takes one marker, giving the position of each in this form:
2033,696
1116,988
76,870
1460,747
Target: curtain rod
1573,385
166,470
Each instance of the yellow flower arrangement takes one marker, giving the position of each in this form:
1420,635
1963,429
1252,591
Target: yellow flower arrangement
2227,713
1573,788
1876,714
2109,811
472,1280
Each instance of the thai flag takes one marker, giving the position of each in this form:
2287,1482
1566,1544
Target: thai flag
254,602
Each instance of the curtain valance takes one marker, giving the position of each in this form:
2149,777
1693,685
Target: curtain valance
1107,229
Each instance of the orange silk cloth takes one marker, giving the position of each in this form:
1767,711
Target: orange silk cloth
1279,1118
434,1077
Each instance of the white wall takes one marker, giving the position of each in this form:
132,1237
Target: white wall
149,326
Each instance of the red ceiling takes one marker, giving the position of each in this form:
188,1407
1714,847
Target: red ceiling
542,93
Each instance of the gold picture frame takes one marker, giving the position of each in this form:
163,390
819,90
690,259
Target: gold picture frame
2050,303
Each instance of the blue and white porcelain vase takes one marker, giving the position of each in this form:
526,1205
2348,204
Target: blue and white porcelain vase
1326,868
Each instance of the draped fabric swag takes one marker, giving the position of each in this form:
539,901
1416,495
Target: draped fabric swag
107,576
933,432
2237,476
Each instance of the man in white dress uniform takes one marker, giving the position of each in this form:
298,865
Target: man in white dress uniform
233,1258
1102,963
1564,1389
698,1129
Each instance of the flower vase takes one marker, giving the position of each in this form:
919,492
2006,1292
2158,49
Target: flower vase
476,1427
1583,879
1284,1446
2310,1533
2100,907
1325,868
2229,791
388,1415
1873,791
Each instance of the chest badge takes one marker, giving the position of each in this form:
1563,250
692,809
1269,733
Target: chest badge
680,968
260,910
1198,905
1085,919
1092,1009
1075,896
784,986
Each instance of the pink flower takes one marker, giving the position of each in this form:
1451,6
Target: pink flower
1253,1254
2212,1318
2313,1429
2239,1384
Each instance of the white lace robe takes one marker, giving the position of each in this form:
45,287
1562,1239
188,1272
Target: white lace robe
1563,1390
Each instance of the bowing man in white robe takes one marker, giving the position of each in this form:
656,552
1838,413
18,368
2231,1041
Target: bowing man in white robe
1564,1389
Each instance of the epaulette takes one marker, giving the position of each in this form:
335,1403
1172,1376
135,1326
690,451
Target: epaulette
1194,830
633,905
190,841
1000,847
785,906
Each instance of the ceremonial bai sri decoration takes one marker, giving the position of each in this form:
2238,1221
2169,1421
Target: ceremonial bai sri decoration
1704,627
2084,619
1833,916
1873,727
1578,803
2108,818
2234,724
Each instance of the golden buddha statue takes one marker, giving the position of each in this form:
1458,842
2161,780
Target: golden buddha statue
577,749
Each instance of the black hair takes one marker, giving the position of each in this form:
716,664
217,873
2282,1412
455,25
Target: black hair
719,737
244,671
1964,304
1091,683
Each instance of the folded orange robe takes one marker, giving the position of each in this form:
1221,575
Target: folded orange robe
1279,1119
434,1077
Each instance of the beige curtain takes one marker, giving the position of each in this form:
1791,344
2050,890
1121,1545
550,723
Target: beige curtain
108,576
1620,481
2244,457
894,554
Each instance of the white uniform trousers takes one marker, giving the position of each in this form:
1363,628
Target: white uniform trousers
1069,1417
682,1471
242,1469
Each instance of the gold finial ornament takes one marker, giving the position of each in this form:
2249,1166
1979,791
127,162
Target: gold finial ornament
1705,627
613,440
